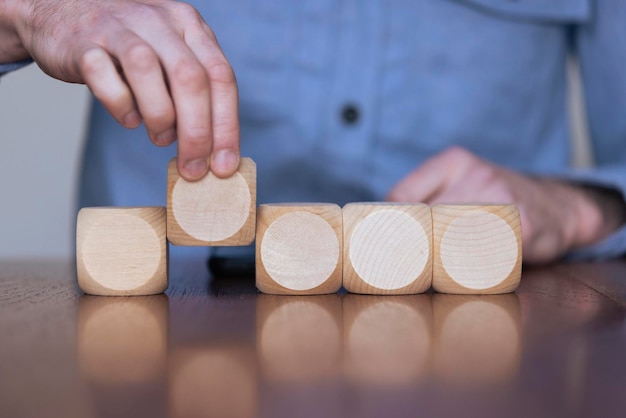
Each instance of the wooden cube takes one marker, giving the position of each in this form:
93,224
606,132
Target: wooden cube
121,251
387,341
477,249
477,338
212,211
299,249
387,248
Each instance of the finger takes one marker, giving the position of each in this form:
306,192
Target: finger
421,184
189,88
143,73
433,176
224,101
100,74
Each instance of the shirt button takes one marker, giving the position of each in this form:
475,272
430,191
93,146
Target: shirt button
350,114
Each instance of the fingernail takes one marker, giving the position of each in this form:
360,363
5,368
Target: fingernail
165,138
195,169
132,119
225,161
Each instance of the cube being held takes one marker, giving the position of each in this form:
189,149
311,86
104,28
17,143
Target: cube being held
212,211
299,249
121,251
477,248
387,248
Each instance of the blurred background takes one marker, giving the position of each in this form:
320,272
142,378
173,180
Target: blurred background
42,129
42,123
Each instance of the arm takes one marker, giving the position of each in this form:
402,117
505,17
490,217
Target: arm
151,61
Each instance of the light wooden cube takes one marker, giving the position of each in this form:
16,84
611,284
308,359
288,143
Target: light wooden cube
478,338
212,211
387,248
477,249
299,249
121,251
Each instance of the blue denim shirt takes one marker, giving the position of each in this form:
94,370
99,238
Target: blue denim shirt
12,66
339,100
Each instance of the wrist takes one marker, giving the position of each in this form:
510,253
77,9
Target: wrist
12,16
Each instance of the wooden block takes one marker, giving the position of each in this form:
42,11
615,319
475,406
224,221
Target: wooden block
212,211
122,340
477,249
477,338
299,337
299,249
387,341
387,248
121,251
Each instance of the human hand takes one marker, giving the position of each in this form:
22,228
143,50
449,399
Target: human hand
556,216
150,60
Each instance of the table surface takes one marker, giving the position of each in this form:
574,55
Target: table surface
556,347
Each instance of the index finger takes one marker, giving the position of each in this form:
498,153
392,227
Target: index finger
224,101
433,176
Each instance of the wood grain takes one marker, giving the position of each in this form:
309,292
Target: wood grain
477,248
299,248
212,211
121,251
387,248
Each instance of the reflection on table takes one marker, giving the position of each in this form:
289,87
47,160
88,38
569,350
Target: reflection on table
556,347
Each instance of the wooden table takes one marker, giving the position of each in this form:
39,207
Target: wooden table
216,348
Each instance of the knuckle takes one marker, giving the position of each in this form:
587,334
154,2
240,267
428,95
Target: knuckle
457,153
159,116
190,75
196,137
92,61
186,11
228,127
221,72
140,56
486,174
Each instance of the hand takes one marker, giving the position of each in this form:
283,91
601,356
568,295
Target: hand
150,60
556,216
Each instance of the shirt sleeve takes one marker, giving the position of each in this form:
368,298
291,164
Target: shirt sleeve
602,59
6,68
610,177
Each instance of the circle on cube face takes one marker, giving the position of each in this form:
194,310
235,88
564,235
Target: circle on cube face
300,250
190,208
133,251
389,241
475,257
